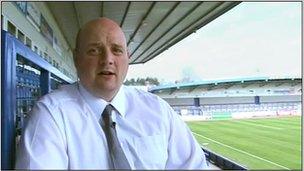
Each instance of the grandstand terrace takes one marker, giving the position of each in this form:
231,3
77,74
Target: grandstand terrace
234,98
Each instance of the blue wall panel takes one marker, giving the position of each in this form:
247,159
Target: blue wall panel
8,102
23,83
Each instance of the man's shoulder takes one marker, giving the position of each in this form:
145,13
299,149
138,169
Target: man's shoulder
63,94
136,91
140,94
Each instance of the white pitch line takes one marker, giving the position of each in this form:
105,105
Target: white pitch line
265,126
294,128
241,151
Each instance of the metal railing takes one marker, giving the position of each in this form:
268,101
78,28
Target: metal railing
221,161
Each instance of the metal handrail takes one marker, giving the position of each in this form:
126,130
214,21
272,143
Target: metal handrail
222,162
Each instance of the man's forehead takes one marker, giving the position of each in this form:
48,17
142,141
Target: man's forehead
103,34
99,38
102,27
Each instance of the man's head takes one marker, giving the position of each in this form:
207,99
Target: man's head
101,57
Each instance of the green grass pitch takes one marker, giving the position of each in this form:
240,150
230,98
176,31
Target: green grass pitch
269,143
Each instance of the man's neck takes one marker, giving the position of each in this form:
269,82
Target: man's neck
105,95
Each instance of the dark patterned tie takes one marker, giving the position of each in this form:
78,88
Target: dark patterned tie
117,155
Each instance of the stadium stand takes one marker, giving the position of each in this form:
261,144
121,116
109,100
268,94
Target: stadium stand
235,98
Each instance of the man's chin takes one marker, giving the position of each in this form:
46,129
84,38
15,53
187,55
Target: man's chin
104,88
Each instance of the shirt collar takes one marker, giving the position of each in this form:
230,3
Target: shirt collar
119,101
98,104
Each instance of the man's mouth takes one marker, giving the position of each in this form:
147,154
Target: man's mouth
106,73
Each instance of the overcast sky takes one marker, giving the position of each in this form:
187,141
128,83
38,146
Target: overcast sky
253,39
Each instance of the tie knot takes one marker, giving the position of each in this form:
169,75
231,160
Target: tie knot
108,109
106,114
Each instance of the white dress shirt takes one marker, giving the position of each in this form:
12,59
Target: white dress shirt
63,132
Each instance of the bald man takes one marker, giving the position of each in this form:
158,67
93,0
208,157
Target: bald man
65,129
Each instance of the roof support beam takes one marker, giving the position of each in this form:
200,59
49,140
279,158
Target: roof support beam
227,86
157,25
279,84
262,84
211,87
125,14
155,53
192,88
296,83
172,90
141,23
101,8
166,32
164,46
245,85
77,14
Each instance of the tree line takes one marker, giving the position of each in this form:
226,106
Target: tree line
142,81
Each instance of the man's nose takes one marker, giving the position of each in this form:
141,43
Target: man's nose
107,58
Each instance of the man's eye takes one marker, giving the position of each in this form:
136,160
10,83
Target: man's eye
118,51
93,51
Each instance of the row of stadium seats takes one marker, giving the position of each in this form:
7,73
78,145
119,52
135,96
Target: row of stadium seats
192,110
287,88
28,91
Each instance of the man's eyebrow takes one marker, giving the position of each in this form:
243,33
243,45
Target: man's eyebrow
95,44
117,45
